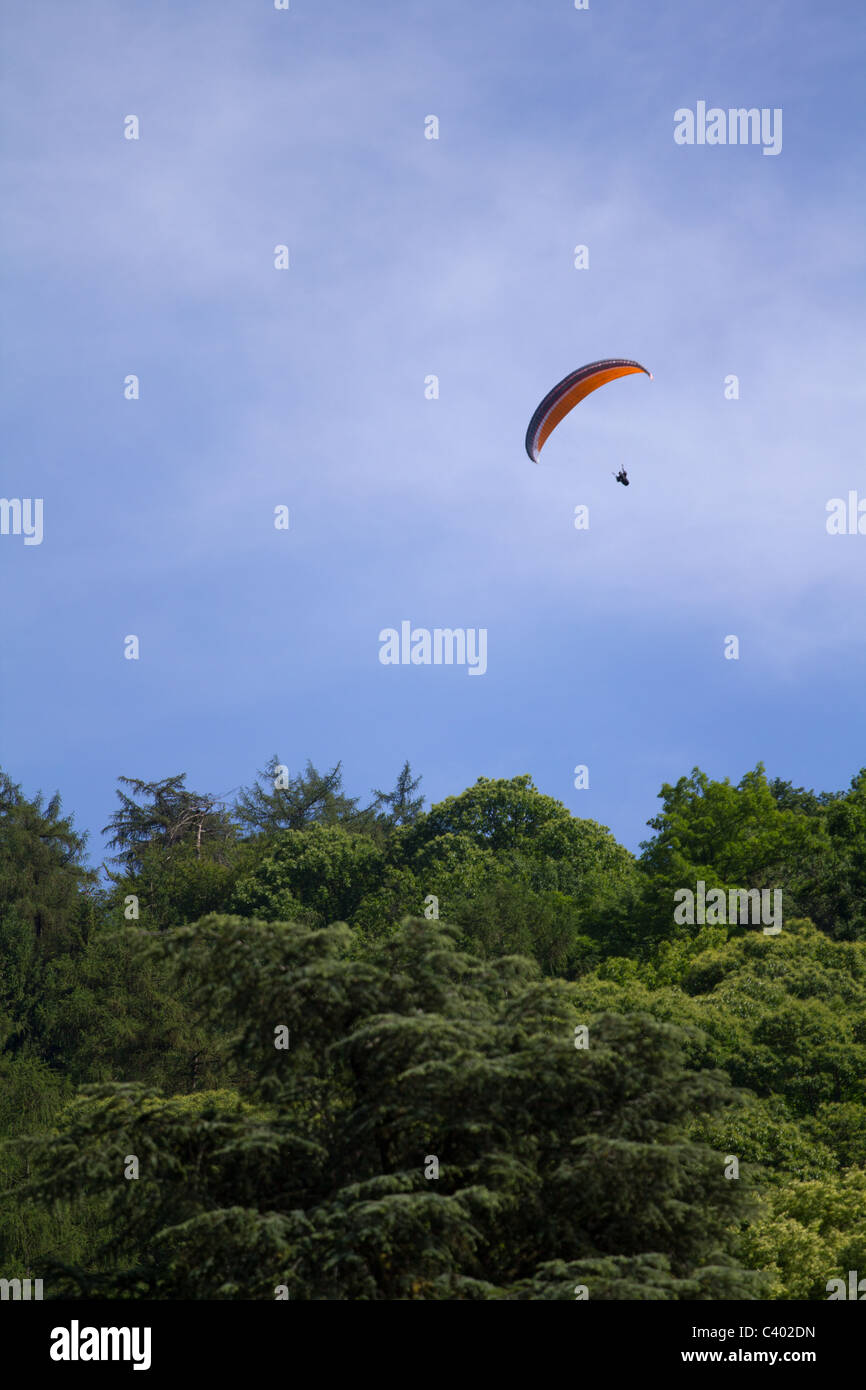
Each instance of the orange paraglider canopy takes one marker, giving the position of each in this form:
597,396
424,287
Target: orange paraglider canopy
566,395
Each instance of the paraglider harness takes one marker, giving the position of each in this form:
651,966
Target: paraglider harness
622,477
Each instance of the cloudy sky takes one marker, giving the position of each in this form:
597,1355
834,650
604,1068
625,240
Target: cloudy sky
305,387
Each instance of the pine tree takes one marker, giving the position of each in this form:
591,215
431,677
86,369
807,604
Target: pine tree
170,815
402,807
277,801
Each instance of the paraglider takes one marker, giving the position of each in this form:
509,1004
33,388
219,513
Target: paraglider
566,395
622,477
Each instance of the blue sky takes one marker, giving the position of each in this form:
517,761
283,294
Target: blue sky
306,388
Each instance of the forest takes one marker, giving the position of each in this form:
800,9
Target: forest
311,1046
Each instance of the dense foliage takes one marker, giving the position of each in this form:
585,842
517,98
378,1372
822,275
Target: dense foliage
302,1047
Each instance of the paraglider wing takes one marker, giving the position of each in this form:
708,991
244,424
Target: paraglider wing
564,397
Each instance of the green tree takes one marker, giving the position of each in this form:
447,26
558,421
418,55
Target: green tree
115,1011
554,1163
32,1098
47,903
171,887
316,875
809,1233
840,887
509,917
572,883
277,801
164,814
729,836
401,807
42,869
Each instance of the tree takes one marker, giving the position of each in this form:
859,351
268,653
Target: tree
170,815
115,1011
429,1131
809,1233
31,1098
497,814
173,886
402,807
730,836
46,904
467,849
508,917
287,1085
513,820
276,801
791,798
316,875
842,882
